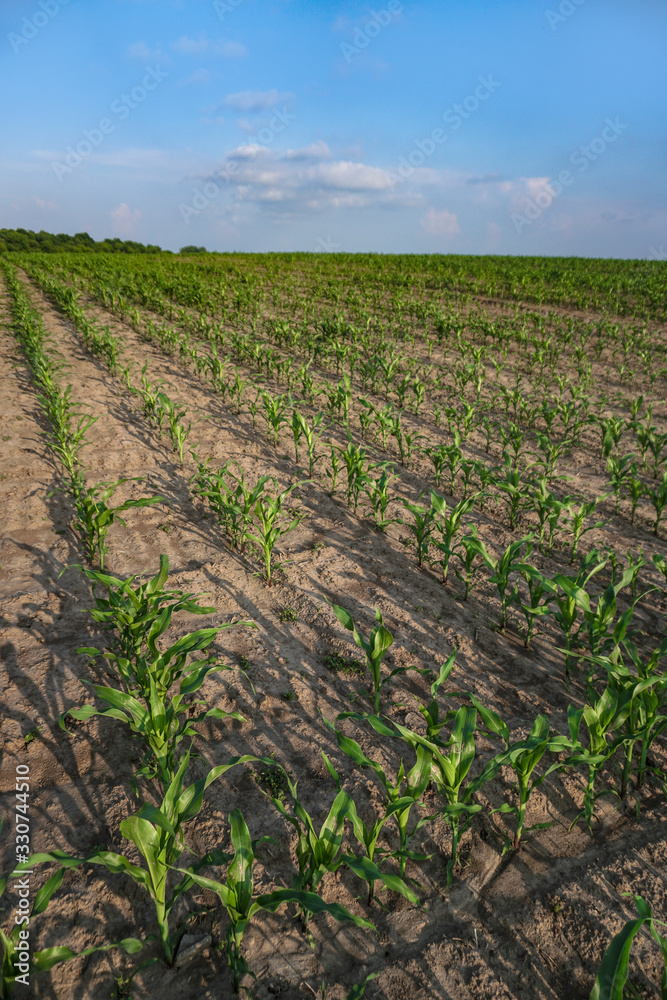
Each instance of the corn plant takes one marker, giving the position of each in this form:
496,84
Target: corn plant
574,598
448,774
157,834
635,488
271,524
275,408
602,718
238,897
13,968
354,459
319,853
578,516
377,491
400,795
467,552
658,500
510,481
614,970
547,507
446,457
448,523
523,757
142,619
541,592
333,469
502,569
620,469
375,647
421,527
550,451
94,516
230,498
131,609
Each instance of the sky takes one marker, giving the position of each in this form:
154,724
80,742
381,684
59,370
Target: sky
443,126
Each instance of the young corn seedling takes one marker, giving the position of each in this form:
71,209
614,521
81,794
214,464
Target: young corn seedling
577,527
602,718
574,598
421,528
550,452
157,834
448,523
319,853
131,610
354,458
142,620
232,502
523,757
658,500
448,773
271,525
399,798
237,895
614,971
374,649
94,516
502,569
446,457
541,592
620,469
333,469
636,489
275,408
467,552
517,491
377,491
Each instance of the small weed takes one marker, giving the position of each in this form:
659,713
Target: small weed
287,614
32,734
288,695
244,662
318,546
344,664
166,527
6,437
273,781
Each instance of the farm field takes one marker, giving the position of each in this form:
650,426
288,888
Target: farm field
392,710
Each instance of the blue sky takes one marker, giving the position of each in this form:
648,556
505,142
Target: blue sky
514,127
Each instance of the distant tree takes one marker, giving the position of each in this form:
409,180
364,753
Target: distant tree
193,249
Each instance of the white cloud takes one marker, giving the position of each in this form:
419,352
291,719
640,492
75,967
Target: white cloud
198,46
303,180
144,53
124,218
45,206
254,101
200,78
442,223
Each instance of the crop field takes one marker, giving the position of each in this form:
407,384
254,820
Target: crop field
333,626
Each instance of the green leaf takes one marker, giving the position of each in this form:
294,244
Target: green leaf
614,969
